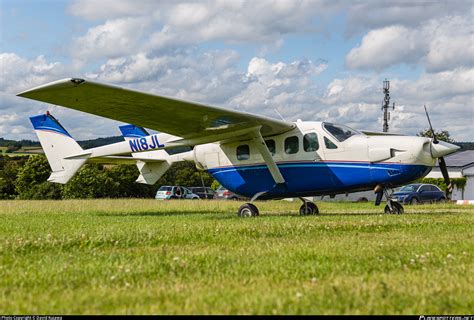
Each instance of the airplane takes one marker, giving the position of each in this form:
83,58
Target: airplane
252,155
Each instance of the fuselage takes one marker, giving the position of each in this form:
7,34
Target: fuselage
314,161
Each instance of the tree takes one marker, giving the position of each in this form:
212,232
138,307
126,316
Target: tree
31,180
9,167
125,186
185,174
90,182
440,135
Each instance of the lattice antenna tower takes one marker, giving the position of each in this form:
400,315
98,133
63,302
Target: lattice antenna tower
385,105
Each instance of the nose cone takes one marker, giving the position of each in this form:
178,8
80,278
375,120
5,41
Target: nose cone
442,148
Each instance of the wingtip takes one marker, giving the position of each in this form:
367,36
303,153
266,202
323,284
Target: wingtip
66,82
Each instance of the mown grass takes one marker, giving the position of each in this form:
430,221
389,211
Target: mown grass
197,257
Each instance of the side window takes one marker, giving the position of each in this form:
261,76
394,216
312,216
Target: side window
310,142
243,152
271,146
425,188
291,145
329,144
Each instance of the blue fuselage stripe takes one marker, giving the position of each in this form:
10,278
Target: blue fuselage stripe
316,178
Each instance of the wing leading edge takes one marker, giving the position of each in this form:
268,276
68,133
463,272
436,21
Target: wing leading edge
186,119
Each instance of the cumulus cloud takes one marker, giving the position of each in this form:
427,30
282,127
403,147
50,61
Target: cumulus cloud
375,14
448,95
157,26
112,39
19,74
441,44
161,47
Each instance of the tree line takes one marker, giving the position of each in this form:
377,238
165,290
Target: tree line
26,178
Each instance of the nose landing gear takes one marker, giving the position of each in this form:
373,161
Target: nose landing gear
392,207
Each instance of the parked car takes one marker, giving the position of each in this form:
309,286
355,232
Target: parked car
223,193
419,193
174,192
203,192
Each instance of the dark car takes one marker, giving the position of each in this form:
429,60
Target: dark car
223,193
203,193
419,193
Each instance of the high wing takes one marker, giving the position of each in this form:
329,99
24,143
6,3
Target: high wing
189,120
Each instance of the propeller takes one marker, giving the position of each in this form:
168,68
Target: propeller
441,162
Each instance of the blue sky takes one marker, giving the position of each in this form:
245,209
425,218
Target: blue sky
312,60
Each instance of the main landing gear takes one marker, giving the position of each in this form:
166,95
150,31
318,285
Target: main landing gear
392,207
308,208
250,210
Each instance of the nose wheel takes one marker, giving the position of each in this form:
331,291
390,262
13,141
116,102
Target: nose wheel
394,207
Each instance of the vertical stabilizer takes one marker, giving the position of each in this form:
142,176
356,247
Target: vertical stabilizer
131,131
57,144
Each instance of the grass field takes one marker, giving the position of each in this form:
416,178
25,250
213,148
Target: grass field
146,256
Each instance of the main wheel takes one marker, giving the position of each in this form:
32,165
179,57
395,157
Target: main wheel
248,210
414,201
309,208
397,208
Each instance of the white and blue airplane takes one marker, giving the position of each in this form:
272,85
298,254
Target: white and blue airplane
251,155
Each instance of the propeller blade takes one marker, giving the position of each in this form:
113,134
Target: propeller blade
447,181
435,141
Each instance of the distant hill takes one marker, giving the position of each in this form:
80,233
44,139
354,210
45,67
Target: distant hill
86,144
465,145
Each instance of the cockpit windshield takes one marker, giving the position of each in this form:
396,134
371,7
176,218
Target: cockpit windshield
340,132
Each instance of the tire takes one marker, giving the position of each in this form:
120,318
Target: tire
309,208
248,210
397,208
414,201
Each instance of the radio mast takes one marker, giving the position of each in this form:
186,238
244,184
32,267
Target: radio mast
385,105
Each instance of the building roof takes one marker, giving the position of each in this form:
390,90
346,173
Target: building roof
459,159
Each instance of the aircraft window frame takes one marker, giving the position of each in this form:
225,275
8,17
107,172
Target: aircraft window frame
243,156
342,136
329,144
307,143
272,148
292,151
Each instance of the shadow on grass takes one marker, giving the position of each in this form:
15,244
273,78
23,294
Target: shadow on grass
158,213
213,215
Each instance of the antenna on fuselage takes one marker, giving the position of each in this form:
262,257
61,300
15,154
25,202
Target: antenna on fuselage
279,114
385,105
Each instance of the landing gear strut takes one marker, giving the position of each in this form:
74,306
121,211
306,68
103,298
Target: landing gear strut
392,207
308,208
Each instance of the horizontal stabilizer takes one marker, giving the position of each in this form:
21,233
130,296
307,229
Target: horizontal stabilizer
151,172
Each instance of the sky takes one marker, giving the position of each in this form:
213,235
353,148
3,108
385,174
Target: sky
311,60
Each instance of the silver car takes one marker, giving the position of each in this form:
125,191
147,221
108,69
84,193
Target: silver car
175,192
